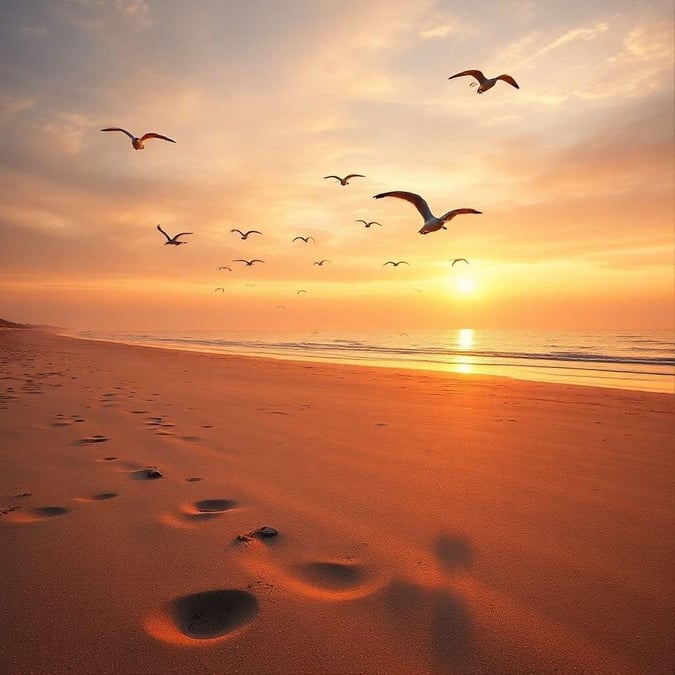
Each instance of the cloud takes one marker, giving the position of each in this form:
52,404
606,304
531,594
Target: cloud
571,36
441,30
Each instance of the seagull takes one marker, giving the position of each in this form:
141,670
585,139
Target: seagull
456,260
345,180
431,222
244,235
302,290
485,82
368,224
305,239
219,289
396,264
320,262
248,263
173,240
137,143
225,267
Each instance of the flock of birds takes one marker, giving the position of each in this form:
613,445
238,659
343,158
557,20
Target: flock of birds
431,223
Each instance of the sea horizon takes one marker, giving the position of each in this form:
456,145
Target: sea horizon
642,360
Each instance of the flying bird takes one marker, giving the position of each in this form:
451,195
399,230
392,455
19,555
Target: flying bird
280,307
396,264
456,260
345,180
431,222
485,83
138,143
225,267
302,290
305,239
173,240
320,262
248,263
219,289
244,235
368,223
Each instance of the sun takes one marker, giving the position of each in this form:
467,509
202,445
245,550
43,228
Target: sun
466,285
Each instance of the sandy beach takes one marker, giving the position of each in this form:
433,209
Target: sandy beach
427,523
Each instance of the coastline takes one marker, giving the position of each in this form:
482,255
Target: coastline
532,368
428,522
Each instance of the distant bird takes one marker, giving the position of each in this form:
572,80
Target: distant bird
305,239
280,307
368,224
431,222
219,289
302,290
225,267
137,143
320,262
345,180
456,260
485,82
173,240
396,264
244,235
248,263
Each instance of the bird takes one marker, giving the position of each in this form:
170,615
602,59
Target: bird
280,307
320,262
345,180
302,290
137,143
485,83
431,222
220,288
305,239
396,264
244,235
225,267
456,260
368,224
248,263
173,240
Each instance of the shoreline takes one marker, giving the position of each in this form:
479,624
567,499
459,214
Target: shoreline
428,523
528,372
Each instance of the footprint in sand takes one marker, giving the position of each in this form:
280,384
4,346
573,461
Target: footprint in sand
37,514
102,497
193,479
90,440
196,512
211,615
335,579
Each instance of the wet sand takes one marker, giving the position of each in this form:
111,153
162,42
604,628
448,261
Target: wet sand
427,523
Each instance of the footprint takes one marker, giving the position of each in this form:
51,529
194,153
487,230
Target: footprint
89,440
37,514
337,580
193,479
102,497
208,616
195,512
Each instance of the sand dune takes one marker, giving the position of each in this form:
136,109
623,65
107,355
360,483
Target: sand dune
427,523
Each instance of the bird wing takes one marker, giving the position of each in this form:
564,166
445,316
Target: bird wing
240,232
456,212
240,260
302,290
159,227
180,234
354,175
253,232
389,262
296,239
509,79
456,260
474,73
361,221
336,178
144,137
419,203
374,222
124,131
256,260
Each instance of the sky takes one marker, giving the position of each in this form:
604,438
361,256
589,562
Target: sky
573,172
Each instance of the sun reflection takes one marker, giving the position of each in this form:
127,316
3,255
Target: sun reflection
464,367
465,338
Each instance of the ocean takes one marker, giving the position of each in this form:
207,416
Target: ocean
630,359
